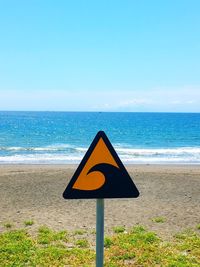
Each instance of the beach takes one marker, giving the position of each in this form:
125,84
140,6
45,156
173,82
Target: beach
34,192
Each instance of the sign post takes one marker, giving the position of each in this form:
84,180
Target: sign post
99,232
101,174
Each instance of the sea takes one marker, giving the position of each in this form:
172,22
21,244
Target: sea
64,137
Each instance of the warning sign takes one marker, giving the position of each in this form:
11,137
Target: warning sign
101,174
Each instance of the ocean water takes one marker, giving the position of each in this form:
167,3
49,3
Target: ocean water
63,137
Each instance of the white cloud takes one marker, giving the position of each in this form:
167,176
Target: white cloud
160,99
135,102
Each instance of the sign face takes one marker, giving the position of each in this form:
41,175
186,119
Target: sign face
101,174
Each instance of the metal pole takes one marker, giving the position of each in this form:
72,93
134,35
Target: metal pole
99,232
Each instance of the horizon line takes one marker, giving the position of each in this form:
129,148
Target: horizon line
101,111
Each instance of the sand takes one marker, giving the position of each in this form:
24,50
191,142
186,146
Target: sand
35,192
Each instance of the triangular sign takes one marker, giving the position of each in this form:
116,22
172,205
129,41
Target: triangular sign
101,174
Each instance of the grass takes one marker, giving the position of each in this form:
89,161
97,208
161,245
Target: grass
8,225
29,223
136,247
82,243
107,242
47,236
80,232
119,229
159,219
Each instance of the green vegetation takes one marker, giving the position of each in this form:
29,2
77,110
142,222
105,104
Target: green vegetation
107,242
119,229
80,232
82,243
136,247
159,219
48,248
143,248
47,236
29,223
7,225
198,226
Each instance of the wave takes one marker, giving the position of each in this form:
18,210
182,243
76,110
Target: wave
159,151
66,153
161,155
122,150
38,159
59,147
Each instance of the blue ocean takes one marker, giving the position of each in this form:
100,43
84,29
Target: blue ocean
63,137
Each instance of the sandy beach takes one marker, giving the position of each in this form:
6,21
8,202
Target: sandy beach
35,192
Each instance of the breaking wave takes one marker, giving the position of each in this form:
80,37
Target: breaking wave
61,147
66,153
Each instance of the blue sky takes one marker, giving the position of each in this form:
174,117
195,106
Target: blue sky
100,55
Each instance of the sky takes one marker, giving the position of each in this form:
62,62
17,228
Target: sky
108,55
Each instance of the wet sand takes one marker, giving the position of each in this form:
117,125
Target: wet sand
35,192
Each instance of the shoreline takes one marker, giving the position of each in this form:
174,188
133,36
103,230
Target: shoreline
35,192
76,164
